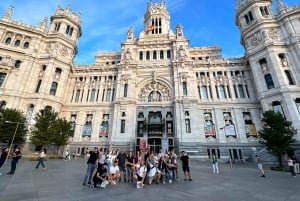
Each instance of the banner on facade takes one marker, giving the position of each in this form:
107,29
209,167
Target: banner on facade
230,130
250,130
143,145
165,145
87,130
103,130
209,129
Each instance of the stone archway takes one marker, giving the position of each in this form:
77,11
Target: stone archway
154,91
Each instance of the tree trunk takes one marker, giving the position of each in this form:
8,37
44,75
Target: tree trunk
280,160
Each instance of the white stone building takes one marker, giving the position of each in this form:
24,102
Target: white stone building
158,91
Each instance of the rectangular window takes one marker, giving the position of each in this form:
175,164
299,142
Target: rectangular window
169,54
161,55
184,88
125,90
269,81
113,94
122,126
199,92
147,55
204,92
53,88
235,91
289,77
241,91
77,96
141,56
187,126
93,94
222,91
247,91
108,95
2,78
38,86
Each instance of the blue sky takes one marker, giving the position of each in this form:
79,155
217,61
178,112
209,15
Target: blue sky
105,22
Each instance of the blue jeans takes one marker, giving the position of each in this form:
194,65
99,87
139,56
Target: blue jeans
41,162
89,173
13,165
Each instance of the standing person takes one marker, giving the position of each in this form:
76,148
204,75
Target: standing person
296,164
41,159
129,166
3,156
215,164
92,163
15,159
174,160
67,155
121,163
291,166
185,163
260,166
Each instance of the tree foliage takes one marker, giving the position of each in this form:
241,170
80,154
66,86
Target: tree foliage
49,129
10,120
277,134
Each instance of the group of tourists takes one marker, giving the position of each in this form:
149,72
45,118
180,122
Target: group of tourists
15,156
140,167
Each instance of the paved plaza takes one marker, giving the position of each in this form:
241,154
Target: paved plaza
62,181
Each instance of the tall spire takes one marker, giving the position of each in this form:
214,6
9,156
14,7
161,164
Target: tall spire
281,7
8,14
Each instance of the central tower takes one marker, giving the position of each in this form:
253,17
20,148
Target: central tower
157,19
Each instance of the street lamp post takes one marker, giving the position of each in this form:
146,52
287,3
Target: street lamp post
15,132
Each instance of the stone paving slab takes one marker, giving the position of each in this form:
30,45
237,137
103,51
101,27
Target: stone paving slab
63,181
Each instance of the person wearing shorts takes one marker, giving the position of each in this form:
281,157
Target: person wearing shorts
185,163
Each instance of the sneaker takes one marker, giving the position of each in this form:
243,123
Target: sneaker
263,175
0,174
83,184
89,183
190,180
128,180
114,183
45,168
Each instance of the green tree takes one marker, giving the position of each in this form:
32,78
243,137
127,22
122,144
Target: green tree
49,129
62,131
10,120
42,132
277,134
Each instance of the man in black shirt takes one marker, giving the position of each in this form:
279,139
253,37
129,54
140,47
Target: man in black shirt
101,175
121,163
185,162
92,164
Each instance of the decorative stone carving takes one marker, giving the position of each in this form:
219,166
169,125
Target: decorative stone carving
8,14
256,39
156,91
130,34
179,31
181,55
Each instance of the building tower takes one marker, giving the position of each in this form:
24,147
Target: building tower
271,40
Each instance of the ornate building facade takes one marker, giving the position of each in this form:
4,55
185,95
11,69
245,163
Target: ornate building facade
158,91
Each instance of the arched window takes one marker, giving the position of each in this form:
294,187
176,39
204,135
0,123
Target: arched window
154,96
8,40
58,73
154,55
18,64
161,54
53,88
147,55
26,45
17,42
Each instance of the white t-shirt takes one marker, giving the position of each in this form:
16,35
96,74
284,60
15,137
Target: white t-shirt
114,169
153,170
141,171
102,159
